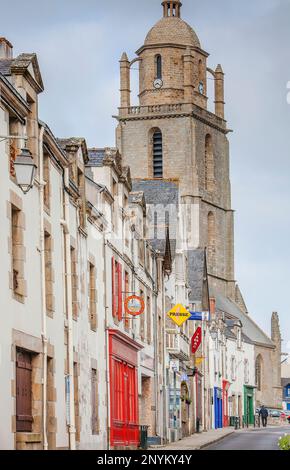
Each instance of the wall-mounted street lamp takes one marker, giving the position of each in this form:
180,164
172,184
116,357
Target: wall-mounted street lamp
24,170
24,166
214,334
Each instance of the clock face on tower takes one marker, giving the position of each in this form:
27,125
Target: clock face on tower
158,83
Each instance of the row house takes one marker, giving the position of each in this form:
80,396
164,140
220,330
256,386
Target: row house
224,382
132,268
232,374
165,232
50,362
77,370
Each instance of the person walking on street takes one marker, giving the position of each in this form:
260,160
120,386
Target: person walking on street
264,415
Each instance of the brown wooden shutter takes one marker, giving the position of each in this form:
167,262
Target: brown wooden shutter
24,392
120,294
113,289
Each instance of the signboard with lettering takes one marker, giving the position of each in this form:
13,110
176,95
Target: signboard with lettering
199,316
196,340
178,314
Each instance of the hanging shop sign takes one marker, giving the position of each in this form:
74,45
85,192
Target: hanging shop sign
178,314
195,316
199,361
184,378
134,305
196,340
174,365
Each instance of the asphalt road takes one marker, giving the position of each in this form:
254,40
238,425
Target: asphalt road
258,439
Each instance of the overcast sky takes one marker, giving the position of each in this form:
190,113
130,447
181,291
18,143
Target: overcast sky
79,44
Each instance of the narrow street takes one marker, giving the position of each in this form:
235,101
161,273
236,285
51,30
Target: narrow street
258,439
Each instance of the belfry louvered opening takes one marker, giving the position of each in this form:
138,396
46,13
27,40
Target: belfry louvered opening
157,155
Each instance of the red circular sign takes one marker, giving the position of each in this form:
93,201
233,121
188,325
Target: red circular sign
134,305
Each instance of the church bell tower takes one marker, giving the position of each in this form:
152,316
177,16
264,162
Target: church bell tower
172,135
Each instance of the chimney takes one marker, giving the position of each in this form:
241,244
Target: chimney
212,309
6,49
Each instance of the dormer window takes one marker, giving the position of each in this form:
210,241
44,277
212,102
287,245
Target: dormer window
239,338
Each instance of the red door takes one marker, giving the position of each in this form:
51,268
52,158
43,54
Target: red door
226,386
124,423
124,404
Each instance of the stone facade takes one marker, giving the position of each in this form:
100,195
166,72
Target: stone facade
186,126
173,101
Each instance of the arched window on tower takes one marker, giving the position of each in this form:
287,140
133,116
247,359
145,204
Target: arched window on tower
158,66
259,372
200,71
157,154
209,183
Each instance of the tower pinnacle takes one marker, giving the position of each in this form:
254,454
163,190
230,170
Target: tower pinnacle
171,8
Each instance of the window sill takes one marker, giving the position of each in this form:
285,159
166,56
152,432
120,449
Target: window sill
28,437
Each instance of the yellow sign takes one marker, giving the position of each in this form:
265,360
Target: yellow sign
199,361
179,315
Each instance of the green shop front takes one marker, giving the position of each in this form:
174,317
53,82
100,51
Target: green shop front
249,400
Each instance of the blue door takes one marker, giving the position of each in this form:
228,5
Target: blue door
288,406
218,408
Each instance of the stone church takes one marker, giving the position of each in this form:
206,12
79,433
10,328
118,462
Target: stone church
172,140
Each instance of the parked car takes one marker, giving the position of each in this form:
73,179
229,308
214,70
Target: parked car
272,412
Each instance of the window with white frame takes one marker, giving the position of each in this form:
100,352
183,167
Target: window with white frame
246,371
233,368
239,338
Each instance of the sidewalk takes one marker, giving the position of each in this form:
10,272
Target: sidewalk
198,441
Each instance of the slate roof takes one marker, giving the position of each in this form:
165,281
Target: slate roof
230,334
246,339
251,330
158,191
5,66
56,141
22,62
162,199
96,157
197,277
136,198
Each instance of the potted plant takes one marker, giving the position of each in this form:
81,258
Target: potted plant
284,442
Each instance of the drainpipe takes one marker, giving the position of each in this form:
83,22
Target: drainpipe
43,290
155,293
65,224
165,390
107,358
